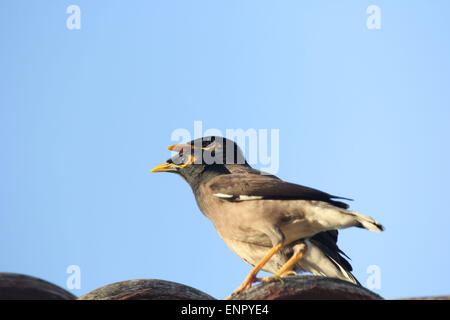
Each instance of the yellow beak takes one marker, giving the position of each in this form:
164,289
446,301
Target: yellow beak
183,146
165,167
179,147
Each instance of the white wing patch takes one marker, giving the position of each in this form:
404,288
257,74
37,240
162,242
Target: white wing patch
245,198
225,196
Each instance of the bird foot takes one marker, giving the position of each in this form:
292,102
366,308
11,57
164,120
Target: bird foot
271,279
277,277
247,284
289,273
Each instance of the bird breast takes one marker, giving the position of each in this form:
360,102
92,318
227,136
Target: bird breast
248,221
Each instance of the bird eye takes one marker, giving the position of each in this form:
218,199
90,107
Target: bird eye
184,158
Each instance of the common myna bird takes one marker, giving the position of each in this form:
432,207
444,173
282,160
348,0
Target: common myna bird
273,225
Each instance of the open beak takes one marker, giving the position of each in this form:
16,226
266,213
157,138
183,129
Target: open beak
165,167
172,167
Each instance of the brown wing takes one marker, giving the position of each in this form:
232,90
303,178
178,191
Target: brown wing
240,187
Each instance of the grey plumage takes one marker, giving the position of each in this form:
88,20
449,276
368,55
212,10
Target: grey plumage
254,212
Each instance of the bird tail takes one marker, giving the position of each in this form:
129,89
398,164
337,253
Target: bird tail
344,274
321,259
366,222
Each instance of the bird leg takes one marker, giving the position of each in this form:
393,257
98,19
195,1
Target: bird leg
252,275
286,269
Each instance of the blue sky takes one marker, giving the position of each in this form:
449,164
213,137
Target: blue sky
85,114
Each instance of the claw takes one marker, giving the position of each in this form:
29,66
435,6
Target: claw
272,279
289,273
277,277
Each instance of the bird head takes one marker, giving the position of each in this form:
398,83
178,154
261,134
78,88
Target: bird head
207,154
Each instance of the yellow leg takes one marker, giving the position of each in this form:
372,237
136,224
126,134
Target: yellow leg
287,267
252,275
